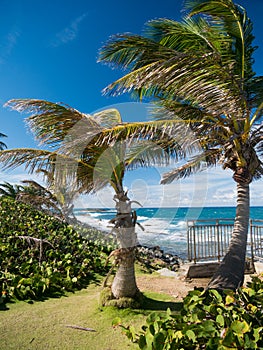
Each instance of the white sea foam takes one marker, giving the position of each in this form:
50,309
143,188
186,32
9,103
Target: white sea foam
162,231
100,224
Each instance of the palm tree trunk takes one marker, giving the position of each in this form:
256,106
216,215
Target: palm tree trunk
124,283
230,274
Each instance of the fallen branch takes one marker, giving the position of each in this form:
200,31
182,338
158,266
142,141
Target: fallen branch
82,328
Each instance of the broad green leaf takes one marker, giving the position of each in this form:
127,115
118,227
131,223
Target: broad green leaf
178,335
240,327
158,341
191,335
220,320
257,332
230,299
142,342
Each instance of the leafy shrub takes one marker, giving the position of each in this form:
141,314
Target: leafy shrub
208,320
41,256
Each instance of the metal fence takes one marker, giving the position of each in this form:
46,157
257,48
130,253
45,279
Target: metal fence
209,239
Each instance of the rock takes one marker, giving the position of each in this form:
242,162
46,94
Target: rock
166,272
155,258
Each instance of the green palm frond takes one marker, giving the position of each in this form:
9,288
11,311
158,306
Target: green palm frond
196,78
133,51
162,39
81,156
35,188
191,34
150,154
238,26
31,158
108,118
191,60
198,163
9,190
255,98
2,144
50,122
53,123
34,160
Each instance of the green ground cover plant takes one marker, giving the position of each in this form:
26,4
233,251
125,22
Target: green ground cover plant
41,256
207,320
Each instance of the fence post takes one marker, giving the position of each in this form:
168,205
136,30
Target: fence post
218,240
251,240
189,245
194,233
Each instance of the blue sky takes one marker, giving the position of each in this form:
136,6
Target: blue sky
49,50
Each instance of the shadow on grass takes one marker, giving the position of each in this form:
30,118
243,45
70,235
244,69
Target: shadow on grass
54,293
151,304
3,307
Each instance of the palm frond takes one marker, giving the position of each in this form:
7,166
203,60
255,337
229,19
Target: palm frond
31,158
50,122
34,187
150,154
108,118
9,190
238,26
196,78
198,163
133,51
255,98
34,242
191,34
2,144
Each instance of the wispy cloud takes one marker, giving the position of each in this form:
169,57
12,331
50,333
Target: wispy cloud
16,177
70,32
214,188
8,44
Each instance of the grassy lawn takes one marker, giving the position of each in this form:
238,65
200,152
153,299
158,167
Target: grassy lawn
42,325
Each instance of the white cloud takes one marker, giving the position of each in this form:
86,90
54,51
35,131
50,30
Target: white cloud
211,188
17,177
69,33
8,45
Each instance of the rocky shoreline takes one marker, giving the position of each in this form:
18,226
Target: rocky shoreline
155,258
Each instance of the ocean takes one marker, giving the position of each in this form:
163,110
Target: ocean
163,227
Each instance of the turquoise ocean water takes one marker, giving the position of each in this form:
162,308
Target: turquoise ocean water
165,227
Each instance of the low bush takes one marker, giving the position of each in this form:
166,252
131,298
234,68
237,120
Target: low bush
42,256
208,320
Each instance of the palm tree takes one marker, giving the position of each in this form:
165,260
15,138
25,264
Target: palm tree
9,190
91,152
200,72
40,198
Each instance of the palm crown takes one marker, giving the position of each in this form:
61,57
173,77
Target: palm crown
200,71
94,149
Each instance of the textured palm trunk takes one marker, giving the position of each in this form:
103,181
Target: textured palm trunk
230,274
124,283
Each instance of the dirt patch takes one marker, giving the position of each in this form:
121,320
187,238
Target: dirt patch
177,287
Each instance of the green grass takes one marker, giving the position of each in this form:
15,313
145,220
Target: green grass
42,325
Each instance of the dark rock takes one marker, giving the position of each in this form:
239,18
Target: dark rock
154,258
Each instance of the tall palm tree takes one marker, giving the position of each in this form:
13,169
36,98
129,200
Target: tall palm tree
200,72
91,152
